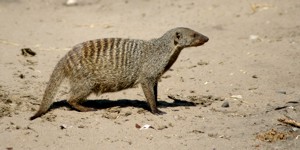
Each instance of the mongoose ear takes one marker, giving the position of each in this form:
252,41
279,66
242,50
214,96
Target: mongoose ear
178,36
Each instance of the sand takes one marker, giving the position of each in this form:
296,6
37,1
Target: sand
228,93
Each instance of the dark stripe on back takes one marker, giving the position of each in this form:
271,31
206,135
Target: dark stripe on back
103,53
71,60
117,41
98,50
112,51
85,50
105,44
67,64
134,50
129,52
91,48
117,52
124,53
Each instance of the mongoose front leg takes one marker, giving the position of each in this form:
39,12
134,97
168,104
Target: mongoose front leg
155,92
148,89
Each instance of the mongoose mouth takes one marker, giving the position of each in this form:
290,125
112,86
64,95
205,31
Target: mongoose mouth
200,41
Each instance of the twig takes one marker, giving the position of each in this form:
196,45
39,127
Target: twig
289,121
28,51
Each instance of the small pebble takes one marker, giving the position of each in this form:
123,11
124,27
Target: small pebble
128,113
213,135
22,76
237,96
225,104
63,126
254,76
162,127
71,2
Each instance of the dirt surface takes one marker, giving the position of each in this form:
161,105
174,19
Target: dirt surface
227,94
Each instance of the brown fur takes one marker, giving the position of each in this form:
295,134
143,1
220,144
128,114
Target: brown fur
114,64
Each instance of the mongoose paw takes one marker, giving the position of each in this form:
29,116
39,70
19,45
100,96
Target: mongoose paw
158,112
86,109
81,108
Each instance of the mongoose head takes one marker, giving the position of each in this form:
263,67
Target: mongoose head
185,37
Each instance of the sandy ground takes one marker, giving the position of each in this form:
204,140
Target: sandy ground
251,63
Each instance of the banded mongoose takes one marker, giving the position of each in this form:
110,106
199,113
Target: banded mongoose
113,64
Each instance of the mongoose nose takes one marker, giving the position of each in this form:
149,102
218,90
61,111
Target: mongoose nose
205,39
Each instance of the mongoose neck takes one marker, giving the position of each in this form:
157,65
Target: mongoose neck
165,51
164,43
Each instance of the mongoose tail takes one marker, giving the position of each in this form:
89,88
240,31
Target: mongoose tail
56,79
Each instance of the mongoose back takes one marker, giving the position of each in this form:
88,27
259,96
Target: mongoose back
113,64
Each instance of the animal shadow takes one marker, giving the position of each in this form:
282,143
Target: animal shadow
104,103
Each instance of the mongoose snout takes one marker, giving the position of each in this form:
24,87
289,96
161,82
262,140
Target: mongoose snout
113,64
199,39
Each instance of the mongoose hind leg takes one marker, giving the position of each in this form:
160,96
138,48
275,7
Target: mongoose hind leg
149,91
77,95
